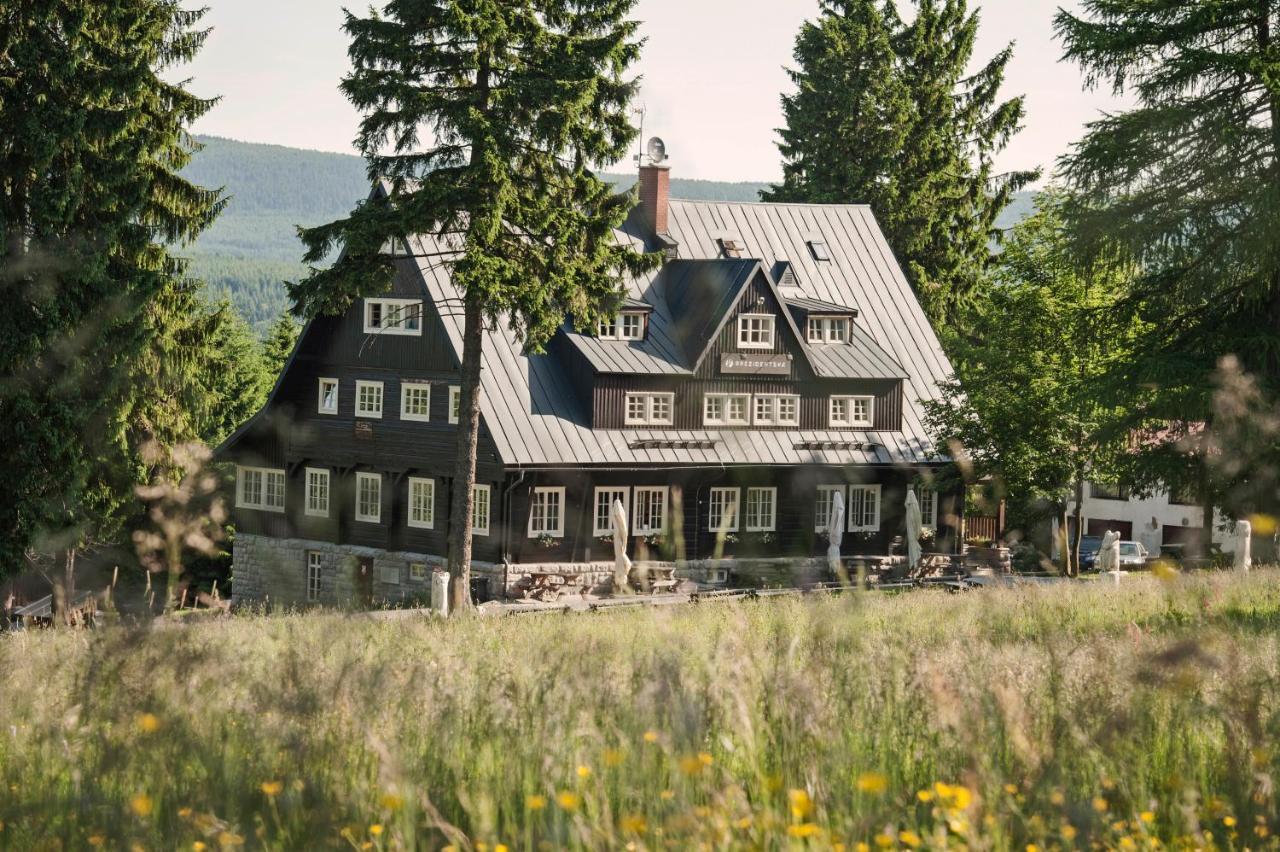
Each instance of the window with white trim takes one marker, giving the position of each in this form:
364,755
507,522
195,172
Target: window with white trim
851,411
776,410
604,524
260,488
546,512
422,503
368,399
824,504
928,508
328,400
418,572
864,508
393,316
315,568
415,401
369,497
317,492
649,409
755,331
455,403
649,515
725,409
480,505
722,513
828,329
628,325
762,509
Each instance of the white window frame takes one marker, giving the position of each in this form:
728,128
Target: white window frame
264,475
315,570
546,493
455,403
852,420
820,522
648,397
759,525
386,304
405,388
773,417
861,526
725,399
818,246
613,492
810,327
418,572
321,408
361,478
715,514
361,411
429,521
320,474
825,328
607,329
476,527
623,333
929,518
748,330
638,529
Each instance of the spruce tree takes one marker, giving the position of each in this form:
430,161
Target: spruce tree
484,119
886,113
1188,181
92,135
279,344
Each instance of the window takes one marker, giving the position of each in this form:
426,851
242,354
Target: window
368,399
819,249
369,497
724,409
864,508
607,329
393,316
850,411
317,492
328,403
649,409
928,508
828,329
1184,495
418,572
776,410
731,246
722,516
415,401
814,330
824,505
422,503
604,508
755,331
480,510
1109,490
762,509
455,403
315,563
546,512
260,488
629,325
650,513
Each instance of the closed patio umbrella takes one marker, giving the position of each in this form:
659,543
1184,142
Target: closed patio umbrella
914,524
835,531
1242,558
621,563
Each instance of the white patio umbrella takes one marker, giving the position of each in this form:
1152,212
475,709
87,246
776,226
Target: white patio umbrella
1244,535
621,563
914,524
835,531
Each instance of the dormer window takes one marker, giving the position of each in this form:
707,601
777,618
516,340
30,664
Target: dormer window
393,316
828,329
731,246
628,325
819,249
755,331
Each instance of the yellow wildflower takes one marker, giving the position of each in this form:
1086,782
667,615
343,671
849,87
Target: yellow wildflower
1099,804
690,765
1068,831
148,723
1126,842
391,802
1057,797
141,805
884,841
271,789
1010,789
584,771
1147,817
227,839
801,804
651,736
743,823
185,813
375,829
535,802
568,800
1031,847
874,783
633,824
704,758
910,838
667,795
500,847
925,795
198,846
1229,821
96,840
862,847
804,829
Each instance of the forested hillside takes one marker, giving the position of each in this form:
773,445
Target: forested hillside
253,246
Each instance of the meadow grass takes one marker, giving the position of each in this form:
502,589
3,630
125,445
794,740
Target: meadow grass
1073,716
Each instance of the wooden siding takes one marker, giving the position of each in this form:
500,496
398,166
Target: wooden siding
756,298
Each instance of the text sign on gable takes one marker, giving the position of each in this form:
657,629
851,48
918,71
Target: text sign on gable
745,364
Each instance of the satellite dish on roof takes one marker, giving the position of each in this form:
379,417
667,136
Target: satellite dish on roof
656,149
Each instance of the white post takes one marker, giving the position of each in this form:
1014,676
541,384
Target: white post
440,592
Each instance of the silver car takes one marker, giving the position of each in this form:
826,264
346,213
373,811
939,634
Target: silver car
1133,555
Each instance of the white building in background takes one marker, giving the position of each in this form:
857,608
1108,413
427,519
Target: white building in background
1160,519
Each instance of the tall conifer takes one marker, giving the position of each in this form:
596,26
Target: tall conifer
485,119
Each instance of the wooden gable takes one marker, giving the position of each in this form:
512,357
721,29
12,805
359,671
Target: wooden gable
724,358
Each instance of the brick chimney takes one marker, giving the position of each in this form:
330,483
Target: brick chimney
655,195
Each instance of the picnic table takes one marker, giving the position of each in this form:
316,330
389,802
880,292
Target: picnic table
658,579
546,587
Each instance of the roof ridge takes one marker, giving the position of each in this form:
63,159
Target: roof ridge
851,205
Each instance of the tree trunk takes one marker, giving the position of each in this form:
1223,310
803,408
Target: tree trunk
464,471
64,587
1064,542
1073,557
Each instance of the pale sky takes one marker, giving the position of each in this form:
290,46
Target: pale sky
712,73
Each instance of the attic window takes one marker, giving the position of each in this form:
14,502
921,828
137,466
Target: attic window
731,246
393,316
828,329
787,275
628,325
819,249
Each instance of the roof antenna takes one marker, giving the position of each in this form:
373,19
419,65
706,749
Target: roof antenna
640,111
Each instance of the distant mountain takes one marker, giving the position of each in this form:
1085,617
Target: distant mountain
253,248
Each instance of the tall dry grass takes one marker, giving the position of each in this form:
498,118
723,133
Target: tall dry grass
1066,716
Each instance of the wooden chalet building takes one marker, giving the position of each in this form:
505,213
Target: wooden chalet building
778,356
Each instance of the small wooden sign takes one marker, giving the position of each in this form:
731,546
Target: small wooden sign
364,429
746,364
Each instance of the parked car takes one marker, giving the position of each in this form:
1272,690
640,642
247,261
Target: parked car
1089,546
1133,554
